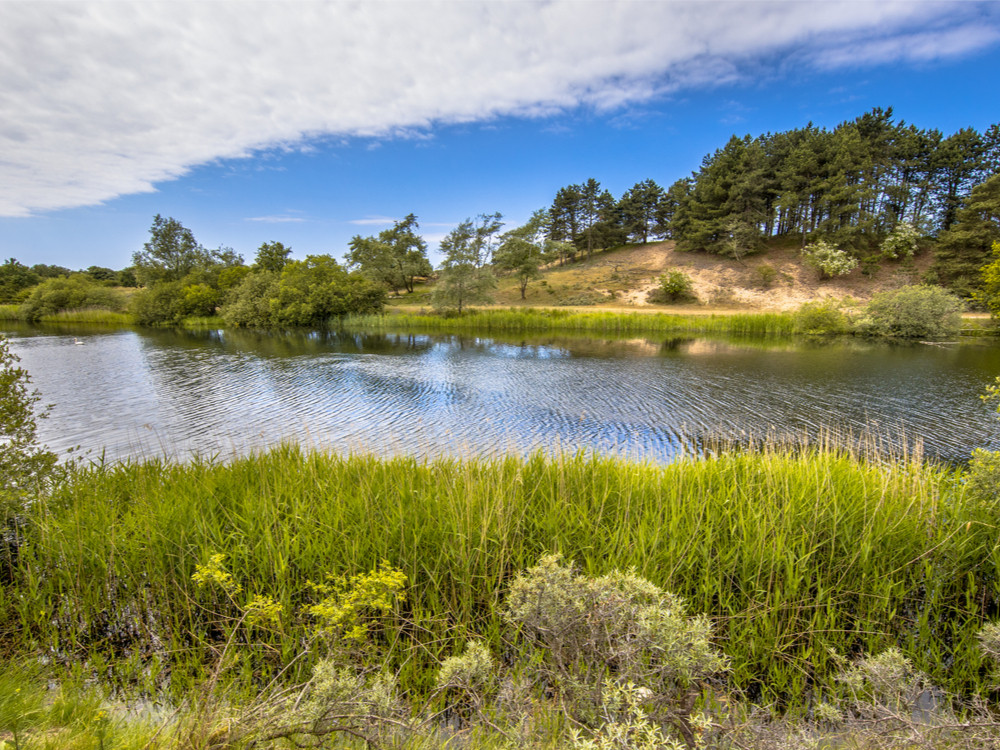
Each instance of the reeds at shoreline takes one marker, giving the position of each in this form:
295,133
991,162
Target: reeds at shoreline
794,554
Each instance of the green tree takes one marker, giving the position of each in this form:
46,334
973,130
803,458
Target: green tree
641,211
272,256
99,273
313,291
249,303
523,250
14,279
464,278
170,254
396,257
965,248
988,293
46,271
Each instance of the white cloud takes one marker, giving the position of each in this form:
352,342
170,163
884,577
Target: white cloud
373,221
99,100
284,219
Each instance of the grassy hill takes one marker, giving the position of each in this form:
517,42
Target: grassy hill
622,277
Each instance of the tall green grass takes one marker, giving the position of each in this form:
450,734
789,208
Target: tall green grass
521,320
795,555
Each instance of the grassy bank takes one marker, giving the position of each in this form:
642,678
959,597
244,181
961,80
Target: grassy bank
794,556
536,320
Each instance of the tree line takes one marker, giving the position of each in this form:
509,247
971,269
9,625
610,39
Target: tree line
872,185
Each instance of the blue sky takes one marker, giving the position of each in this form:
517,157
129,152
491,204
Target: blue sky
309,123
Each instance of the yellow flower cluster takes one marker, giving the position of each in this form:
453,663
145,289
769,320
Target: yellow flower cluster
346,600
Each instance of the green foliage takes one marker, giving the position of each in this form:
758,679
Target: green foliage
14,279
307,293
24,464
272,256
170,254
473,672
523,250
914,312
349,602
828,259
522,320
982,478
396,257
46,271
802,527
641,211
170,302
248,304
902,242
988,293
675,286
314,291
824,317
765,274
75,292
618,626
962,251
465,277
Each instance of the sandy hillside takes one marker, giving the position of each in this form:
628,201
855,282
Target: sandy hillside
724,282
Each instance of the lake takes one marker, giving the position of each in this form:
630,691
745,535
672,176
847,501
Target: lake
140,393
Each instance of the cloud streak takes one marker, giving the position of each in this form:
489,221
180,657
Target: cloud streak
107,99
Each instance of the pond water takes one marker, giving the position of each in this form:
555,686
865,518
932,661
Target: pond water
128,393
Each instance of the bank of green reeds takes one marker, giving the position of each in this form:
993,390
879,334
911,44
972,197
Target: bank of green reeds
525,320
8,312
793,554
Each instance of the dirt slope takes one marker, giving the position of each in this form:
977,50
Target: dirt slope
721,282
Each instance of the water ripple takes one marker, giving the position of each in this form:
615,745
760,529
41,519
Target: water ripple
131,394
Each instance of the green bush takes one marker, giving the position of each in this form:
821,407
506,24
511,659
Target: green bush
821,318
828,259
765,275
23,463
77,292
304,293
901,242
159,304
913,312
675,286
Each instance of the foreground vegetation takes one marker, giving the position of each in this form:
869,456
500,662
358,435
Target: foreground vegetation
770,598
155,575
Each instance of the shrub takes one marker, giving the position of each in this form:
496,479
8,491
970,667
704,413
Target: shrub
158,304
617,626
901,242
74,293
828,259
821,318
765,275
22,461
988,294
675,286
913,312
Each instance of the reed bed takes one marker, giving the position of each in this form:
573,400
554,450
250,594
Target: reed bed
521,320
794,554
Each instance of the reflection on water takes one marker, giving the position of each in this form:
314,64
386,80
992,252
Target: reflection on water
156,392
